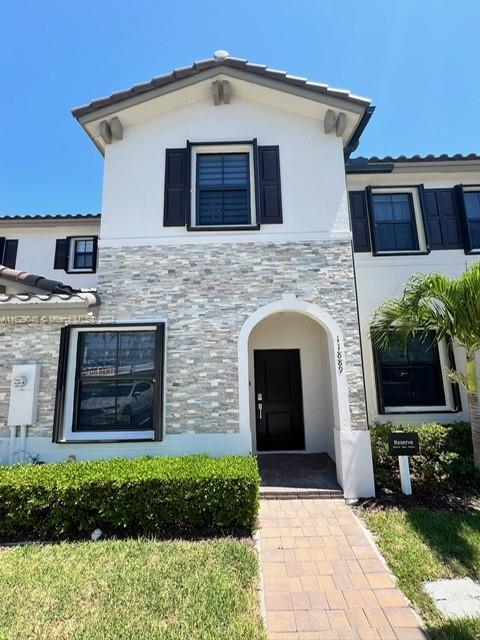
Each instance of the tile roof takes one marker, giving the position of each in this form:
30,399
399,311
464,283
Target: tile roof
33,280
86,298
444,157
56,291
203,65
50,216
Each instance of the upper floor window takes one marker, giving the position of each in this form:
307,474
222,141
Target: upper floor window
8,252
394,222
223,189
222,185
472,212
414,377
83,254
77,254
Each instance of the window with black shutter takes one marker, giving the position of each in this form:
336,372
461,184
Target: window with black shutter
411,376
218,185
76,254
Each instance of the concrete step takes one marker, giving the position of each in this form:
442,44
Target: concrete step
289,493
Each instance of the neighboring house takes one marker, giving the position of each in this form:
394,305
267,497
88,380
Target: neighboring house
411,215
61,247
225,318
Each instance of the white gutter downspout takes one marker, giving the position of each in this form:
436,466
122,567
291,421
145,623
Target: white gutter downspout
11,446
23,442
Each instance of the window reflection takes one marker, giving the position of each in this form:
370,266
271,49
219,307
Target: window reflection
115,385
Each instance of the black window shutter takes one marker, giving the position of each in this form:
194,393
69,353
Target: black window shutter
443,224
2,248
61,382
61,254
95,254
359,219
176,188
378,381
10,253
269,188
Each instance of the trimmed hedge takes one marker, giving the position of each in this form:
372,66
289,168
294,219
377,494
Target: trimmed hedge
446,455
160,496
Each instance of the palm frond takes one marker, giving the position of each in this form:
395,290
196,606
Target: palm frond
432,302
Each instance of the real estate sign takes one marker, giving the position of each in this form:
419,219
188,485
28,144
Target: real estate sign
403,444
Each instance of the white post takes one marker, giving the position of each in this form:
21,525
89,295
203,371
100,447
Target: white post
23,442
11,447
405,475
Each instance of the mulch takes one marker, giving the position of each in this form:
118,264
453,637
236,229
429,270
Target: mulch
458,499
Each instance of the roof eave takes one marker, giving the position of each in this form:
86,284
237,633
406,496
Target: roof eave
198,72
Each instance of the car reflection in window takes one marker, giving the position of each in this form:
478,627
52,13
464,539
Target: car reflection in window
117,404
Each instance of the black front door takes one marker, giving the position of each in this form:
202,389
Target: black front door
278,400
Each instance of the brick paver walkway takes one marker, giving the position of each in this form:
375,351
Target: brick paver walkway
323,578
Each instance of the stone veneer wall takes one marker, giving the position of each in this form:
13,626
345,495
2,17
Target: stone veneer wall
20,343
206,292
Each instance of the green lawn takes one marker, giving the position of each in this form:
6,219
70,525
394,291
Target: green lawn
420,545
142,590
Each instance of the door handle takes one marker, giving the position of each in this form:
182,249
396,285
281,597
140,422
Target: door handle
259,405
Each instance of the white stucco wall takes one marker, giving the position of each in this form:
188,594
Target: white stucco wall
311,163
36,247
296,331
383,277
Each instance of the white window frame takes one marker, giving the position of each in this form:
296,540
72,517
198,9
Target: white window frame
71,255
449,405
417,210
216,149
68,434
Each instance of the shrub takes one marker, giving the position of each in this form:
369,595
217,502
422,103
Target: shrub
446,455
145,496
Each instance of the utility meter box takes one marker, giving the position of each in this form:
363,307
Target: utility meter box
24,394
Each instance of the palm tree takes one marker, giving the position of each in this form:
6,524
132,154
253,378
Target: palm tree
449,307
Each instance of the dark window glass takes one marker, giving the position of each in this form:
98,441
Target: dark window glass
83,253
223,189
472,207
115,380
394,223
411,377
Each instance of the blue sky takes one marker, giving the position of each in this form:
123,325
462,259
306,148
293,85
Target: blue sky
417,60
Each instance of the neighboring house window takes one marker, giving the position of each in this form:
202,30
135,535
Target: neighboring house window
413,378
472,213
76,254
394,223
8,252
110,383
223,189
83,253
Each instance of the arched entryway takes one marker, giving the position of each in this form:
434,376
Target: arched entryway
301,340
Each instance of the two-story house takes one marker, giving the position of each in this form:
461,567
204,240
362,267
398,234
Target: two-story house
222,316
